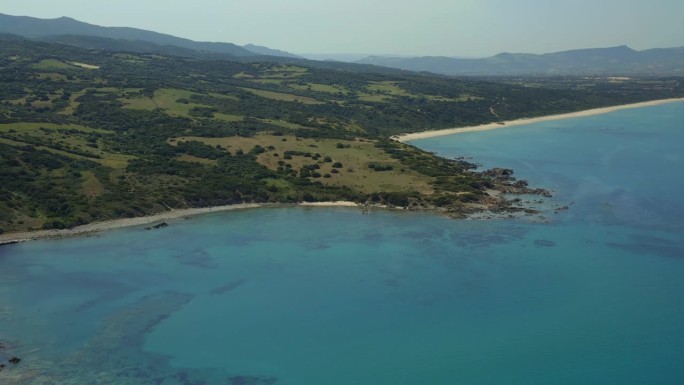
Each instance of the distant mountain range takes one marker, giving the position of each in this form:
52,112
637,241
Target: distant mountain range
270,51
620,60
613,61
70,31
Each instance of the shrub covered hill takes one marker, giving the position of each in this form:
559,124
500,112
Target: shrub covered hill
89,135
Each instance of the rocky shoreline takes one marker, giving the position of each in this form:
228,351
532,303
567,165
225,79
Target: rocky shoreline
495,204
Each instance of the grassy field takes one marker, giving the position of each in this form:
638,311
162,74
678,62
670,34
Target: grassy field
228,117
73,104
355,157
461,98
223,96
284,72
385,90
52,76
49,64
243,75
268,81
281,96
377,98
316,87
165,99
130,58
282,123
67,140
91,185
32,127
388,88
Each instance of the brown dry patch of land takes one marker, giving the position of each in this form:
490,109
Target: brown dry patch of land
91,186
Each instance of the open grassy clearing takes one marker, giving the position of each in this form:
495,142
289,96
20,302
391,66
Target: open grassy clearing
388,88
60,139
115,161
267,81
287,68
5,127
283,124
130,58
283,75
228,117
52,76
73,104
317,87
283,72
19,143
224,96
243,75
376,98
355,157
91,185
64,142
281,96
461,98
50,64
165,99
195,159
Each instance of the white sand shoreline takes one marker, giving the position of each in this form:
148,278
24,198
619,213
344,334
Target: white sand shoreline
97,227
520,122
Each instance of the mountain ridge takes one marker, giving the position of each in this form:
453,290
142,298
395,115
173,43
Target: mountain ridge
37,28
610,61
616,60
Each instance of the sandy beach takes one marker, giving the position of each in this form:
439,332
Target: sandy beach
520,122
330,204
97,227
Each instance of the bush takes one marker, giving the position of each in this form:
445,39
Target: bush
257,150
337,165
380,167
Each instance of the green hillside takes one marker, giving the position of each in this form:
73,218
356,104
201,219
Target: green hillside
89,135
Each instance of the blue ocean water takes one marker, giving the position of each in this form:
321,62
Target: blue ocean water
304,296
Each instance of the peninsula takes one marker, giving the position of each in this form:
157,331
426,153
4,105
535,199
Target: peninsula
88,136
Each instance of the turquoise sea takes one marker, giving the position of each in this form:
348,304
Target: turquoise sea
330,296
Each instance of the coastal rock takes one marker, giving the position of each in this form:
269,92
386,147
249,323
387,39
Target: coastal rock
500,174
158,226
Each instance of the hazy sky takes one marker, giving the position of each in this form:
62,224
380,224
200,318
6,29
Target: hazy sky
418,27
